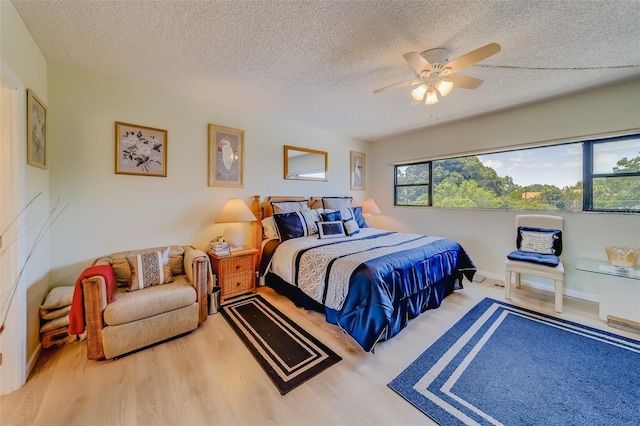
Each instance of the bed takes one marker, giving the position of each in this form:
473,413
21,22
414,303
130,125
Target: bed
368,281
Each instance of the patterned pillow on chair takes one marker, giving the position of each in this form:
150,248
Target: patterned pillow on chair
149,269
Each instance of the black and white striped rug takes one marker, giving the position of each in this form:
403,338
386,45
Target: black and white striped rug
288,354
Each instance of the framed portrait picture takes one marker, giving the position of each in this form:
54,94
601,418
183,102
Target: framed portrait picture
358,169
140,150
36,131
226,156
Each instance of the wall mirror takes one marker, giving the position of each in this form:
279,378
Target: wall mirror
305,164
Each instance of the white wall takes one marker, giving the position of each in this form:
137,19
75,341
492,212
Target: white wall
489,235
109,212
23,66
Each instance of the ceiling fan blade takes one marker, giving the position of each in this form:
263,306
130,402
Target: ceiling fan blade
397,85
473,57
417,62
464,82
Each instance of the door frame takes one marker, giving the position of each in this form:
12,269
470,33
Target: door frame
13,346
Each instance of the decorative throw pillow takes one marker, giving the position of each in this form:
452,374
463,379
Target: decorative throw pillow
149,269
58,297
342,204
290,225
351,227
331,229
539,240
359,217
53,314
541,259
289,206
54,324
176,260
331,216
269,228
311,217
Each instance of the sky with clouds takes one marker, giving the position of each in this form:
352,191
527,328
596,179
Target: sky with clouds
559,165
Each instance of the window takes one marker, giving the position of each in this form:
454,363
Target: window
413,185
602,175
612,174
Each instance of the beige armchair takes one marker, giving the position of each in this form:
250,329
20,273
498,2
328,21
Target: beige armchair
148,315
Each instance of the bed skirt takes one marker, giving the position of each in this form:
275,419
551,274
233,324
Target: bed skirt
403,309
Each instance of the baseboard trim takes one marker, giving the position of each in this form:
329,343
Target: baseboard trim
546,287
32,360
623,324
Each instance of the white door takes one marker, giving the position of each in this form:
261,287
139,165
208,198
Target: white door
12,315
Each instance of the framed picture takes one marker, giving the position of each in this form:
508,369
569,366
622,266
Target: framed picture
140,150
36,131
358,169
226,156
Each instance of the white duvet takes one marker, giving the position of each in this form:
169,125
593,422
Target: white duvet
351,252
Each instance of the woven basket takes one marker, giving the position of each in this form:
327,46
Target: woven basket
622,257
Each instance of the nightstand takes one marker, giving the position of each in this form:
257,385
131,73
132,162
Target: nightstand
236,272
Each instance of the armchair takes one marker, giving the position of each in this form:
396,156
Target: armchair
151,313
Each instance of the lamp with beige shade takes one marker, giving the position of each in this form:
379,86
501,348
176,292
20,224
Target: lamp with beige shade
369,208
234,212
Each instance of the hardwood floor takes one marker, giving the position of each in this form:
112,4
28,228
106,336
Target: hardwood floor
209,377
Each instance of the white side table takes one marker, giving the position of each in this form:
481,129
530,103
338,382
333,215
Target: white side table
619,292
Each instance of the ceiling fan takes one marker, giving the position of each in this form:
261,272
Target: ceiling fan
434,72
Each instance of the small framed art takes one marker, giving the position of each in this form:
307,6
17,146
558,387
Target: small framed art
358,169
226,156
36,131
140,150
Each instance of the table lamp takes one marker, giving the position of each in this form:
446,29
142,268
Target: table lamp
369,208
234,212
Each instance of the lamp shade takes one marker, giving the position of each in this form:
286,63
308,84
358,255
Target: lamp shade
235,210
432,96
370,207
444,86
418,92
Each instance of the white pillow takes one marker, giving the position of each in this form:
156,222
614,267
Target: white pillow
289,206
58,297
269,228
537,242
311,217
351,226
343,204
333,229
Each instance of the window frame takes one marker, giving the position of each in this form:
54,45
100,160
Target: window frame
588,176
397,185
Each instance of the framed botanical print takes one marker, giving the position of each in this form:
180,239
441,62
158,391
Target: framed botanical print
36,131
226,156
140,150
358,169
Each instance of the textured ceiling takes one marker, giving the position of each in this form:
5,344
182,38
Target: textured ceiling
317,62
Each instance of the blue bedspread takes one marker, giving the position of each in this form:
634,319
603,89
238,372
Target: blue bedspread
385,290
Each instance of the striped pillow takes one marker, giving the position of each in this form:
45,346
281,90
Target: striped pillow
149,269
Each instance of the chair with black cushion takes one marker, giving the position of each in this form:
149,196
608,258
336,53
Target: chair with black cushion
539,251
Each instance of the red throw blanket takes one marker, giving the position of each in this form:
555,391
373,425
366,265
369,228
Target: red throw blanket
76,315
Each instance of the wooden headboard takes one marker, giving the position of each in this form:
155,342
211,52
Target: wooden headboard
264,209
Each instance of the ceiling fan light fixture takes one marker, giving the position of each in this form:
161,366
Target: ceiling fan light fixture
418,92
432,96
444,86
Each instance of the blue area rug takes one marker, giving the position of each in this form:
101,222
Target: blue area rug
504,365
